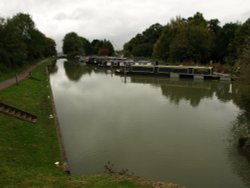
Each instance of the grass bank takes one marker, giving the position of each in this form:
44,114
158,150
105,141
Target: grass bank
28,151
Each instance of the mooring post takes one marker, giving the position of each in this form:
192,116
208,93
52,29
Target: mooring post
111,64
125,72
125,69
16,79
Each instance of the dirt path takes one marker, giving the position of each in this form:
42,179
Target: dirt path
24,74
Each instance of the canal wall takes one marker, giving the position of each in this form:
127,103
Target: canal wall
64,165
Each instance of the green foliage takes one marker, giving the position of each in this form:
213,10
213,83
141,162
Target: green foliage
244,63
214,26
36,45
242,38
21,42
50,47
184,40
72,44
242,99
161,46
95,46
76,45
191,43
142,44
102,47
197,20
142,50
85,46
223,48
105,48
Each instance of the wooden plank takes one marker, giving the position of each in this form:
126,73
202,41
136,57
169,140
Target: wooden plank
17,113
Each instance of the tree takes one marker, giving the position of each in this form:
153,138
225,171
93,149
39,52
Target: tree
142,44
225,43
242,38
197,20
14,41
180,48
200,43
191,43
96,44
162,45
72,44
242,99
86,46
50,47
128,47
106,48
77,45
20,41
214,26
23,25
4,56
102,47
36,45
244,63
143,50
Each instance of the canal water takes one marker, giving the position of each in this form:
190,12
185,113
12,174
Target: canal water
181,131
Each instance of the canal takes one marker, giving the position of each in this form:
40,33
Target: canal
181,131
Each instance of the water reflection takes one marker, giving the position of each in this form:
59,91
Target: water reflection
174,90
241,128
74,71
171,130
240,163
53,68
188,90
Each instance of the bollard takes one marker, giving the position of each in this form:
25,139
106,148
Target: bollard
125,70
16,80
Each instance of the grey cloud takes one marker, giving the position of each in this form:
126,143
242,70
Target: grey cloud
60,16
77,14
80,14
246,15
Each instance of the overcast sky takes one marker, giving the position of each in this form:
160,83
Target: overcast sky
117,20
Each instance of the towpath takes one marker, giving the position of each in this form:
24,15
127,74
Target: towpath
24,74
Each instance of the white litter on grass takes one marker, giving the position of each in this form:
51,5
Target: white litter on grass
57,164
51,116
48,97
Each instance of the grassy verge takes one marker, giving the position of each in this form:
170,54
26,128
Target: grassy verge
28,151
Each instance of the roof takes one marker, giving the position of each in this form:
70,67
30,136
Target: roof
175,66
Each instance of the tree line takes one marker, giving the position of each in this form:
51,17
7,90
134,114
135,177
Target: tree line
73,45
192,39
22,43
